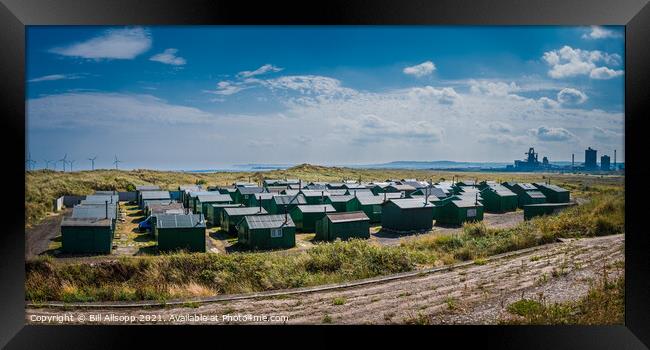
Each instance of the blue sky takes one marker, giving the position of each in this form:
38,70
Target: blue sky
185,97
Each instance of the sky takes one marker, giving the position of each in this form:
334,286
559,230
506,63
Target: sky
209,97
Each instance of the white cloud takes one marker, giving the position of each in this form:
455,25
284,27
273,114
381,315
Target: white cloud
570,96
95,110
308,85
53,77
603,134
507,140
112,44
604,73
372,128
445,95
500,127
548,103
168,57
261,70
598,32
569,62
544,133
227,88
491,88
420,70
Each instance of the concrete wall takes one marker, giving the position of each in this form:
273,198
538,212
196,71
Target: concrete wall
57,204
71,201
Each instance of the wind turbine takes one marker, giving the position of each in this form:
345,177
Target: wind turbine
64,160
116,162
92,161
30,162
47,163
71,162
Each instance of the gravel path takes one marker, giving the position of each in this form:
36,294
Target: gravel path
476,294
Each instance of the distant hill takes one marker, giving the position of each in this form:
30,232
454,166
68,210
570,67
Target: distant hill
438,164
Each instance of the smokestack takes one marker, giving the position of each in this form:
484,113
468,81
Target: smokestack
322,196
573,160
106,209
260,203
476,200
614,159
355,193
299,184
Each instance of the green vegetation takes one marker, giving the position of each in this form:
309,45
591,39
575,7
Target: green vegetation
603,305
43,186
339,301
180,275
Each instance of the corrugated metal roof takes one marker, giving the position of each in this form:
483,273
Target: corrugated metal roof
165,208
347,216
501,191
193,194
179,221
290,192
84,222
94,211
403,187
227,205
415,184
316,187
554,188
315,208
264,196
526,186
337,192
340,199
360,192
431,191
465,202
250,190
370,200
391,195
154,195
314,193
215,197
287,199
101,198
535,194
238,211
150,202
147,188
411,203
268,221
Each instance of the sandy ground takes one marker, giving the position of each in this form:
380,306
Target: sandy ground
475,294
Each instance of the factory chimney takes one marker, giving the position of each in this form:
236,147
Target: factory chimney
615,160
573,160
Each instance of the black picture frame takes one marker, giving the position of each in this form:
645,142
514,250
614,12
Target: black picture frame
634,14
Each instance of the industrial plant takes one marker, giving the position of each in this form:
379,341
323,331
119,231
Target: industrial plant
531,163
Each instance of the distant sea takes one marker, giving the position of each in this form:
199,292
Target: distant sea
416,165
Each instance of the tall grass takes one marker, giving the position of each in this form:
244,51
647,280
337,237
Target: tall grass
182,275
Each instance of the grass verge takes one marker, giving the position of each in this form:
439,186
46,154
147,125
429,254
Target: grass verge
182,275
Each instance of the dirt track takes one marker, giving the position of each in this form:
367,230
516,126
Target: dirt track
38,237
477,294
